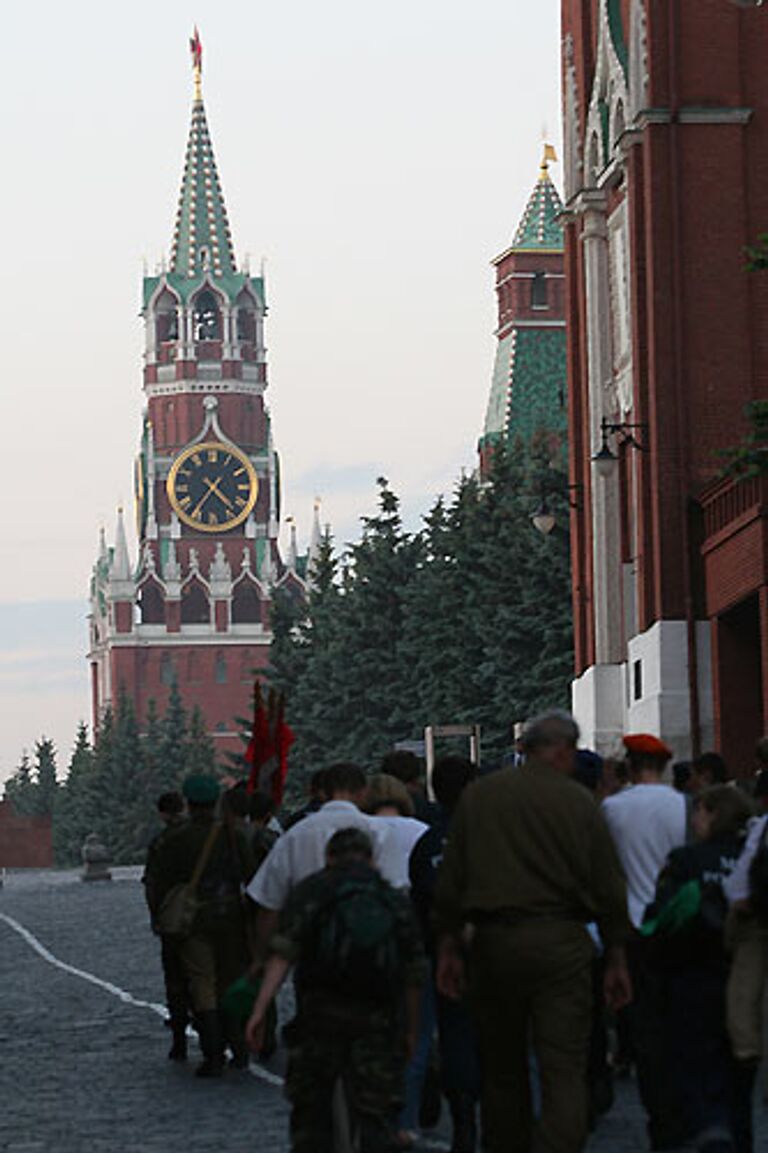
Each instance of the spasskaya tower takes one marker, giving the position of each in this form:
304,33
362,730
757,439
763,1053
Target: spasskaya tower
193,608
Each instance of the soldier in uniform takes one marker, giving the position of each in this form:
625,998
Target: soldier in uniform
214,954
359,971
528,864
170,808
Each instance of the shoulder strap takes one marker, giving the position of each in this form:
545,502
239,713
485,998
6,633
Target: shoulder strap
205,855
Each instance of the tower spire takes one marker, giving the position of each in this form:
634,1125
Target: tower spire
121,564
196,50
202,240
540,229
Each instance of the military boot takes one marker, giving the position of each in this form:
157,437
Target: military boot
743,1077
178,1050
462,1108
235,1038
212,1045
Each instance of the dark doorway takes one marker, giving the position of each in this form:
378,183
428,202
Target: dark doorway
739,684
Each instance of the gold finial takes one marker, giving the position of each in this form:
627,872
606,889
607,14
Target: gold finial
196,51
549,157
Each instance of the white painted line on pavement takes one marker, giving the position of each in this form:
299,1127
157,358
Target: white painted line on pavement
115,990
128,999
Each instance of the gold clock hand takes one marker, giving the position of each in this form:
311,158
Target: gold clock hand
214,487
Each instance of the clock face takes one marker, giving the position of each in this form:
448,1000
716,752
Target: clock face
212,487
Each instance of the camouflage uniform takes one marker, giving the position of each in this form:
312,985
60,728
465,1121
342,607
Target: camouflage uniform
335,1037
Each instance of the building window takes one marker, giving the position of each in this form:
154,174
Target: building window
539,291
220,671
246,604
151,604
167,671
195,609
207,322
637,676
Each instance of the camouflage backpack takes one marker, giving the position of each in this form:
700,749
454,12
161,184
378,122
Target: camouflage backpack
355,950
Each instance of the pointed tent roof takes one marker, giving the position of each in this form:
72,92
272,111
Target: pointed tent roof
316,539
540,230
121,563
202,238
202,249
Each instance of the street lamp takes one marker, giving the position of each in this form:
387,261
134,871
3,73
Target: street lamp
543,518
605,459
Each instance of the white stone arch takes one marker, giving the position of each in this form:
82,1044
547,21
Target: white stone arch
164,300
638,59
609,90
208,287
573,158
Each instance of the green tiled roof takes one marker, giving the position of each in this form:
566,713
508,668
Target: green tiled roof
496,416
528,392
540,229
186,287
202,238
616,25
202,242
537,392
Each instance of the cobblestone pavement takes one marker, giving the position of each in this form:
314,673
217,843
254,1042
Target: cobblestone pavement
83,1070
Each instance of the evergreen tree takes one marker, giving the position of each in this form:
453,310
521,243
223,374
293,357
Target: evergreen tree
126,803
98,807
72,814
45,778
173,740
200,750
20,789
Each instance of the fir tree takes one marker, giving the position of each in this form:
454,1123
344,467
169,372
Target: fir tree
45,778
200,751
72,814
20,789
173,740
126,802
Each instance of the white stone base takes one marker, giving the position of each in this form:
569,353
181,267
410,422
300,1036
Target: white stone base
650,693
598,705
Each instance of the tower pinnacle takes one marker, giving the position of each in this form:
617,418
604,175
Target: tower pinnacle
202,241
196,50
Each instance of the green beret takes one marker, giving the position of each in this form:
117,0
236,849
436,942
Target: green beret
200,790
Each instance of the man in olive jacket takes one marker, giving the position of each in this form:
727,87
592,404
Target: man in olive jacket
215,953
528,864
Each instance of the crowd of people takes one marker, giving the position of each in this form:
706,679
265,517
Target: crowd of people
514,940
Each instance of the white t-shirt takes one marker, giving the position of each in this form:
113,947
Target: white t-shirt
396,837
301,852
647,822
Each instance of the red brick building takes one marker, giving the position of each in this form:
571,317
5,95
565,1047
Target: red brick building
25,842
194,607
666,135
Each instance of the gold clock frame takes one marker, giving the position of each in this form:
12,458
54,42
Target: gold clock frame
208,446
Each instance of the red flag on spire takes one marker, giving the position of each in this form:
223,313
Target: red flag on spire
196,48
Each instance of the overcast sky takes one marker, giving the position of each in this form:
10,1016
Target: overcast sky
377,157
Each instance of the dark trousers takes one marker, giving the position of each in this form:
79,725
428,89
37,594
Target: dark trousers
532,985
459,1061
175,978
646,1017
702,1061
